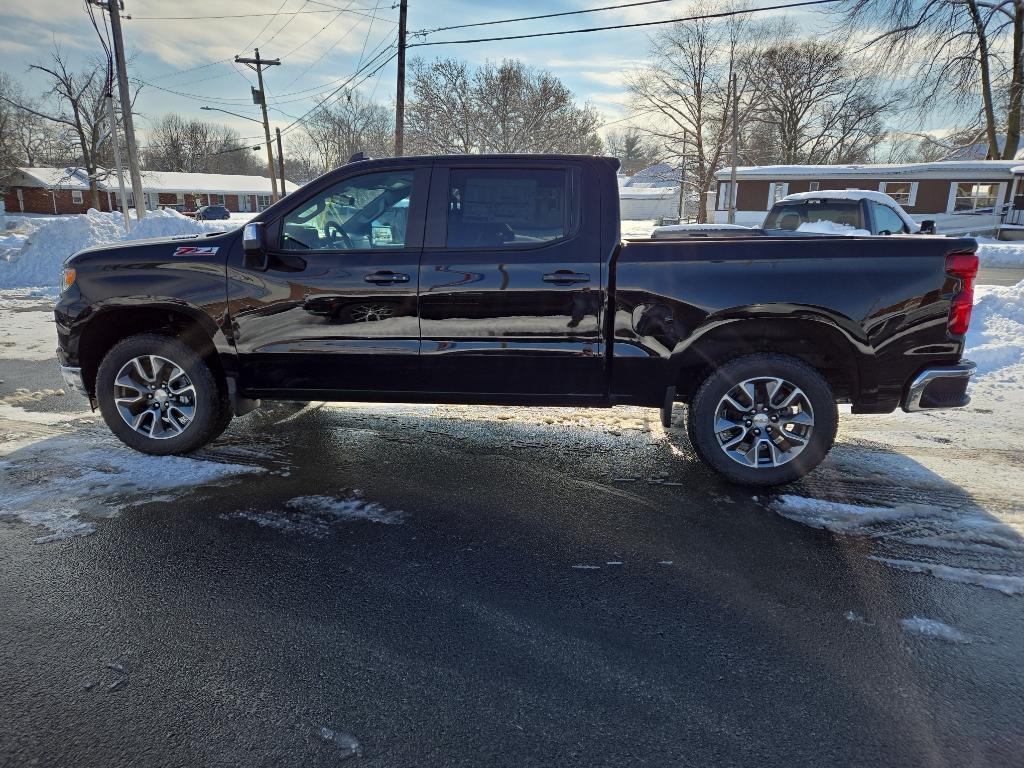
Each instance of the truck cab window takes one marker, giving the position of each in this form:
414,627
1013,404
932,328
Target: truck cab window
500,207
367,212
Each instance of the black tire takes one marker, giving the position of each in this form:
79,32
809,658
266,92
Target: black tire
212,411
702,416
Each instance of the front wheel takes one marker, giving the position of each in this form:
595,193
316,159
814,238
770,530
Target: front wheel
763,419
160,397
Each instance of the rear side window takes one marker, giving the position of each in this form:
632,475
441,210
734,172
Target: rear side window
502,207
887,221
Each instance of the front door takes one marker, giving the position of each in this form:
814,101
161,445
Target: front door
510,283
336,310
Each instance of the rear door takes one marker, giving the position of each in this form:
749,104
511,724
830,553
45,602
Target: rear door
510,281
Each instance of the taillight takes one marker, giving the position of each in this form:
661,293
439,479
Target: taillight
964,267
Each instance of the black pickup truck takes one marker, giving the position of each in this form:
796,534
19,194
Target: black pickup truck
504,280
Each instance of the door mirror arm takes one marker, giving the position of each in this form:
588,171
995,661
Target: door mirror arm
254,246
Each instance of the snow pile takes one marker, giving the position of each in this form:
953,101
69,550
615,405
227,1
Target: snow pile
55,483
317,515
822,227
992,253
995,339
935,629
987,551
34,255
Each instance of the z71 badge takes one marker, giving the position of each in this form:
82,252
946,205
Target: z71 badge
195,250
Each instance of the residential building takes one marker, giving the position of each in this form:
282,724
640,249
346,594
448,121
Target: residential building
961,196
66,190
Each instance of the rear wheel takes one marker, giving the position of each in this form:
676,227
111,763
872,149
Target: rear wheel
158,396
763,419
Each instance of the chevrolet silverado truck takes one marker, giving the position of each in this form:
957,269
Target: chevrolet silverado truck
503,279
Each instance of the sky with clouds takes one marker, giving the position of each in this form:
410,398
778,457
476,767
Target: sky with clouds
186,62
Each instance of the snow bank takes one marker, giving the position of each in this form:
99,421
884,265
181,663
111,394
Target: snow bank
35,253
995,339
832,228
1000,255
55,483
985,550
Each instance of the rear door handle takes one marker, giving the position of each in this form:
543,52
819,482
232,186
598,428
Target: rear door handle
385,277
565,277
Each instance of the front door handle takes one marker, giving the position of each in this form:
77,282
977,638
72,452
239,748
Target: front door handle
565,277
386,277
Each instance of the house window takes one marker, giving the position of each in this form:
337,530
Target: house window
776,191
179,199
814,186
972,196
723,195
76,196
903,192
262,201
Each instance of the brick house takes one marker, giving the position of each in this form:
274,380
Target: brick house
959,195
66,190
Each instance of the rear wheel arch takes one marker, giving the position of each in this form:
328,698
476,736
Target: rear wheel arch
108,327
817,342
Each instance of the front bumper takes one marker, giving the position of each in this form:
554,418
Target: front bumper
73,378
942,387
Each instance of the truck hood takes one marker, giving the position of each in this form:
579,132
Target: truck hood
205,244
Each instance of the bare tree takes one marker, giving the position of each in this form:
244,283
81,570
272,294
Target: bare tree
505,107
686,90
442,115
74,103
821,106
332,135
632,147
175,143
965,55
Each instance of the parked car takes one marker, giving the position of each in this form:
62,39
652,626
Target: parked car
503,279
212,213
859,209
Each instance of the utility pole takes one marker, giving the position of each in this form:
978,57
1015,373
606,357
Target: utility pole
139,195
403,10
109,98
280,161
260,97
735,149
682,179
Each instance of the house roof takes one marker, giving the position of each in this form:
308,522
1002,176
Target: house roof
154,181
58,178
964,170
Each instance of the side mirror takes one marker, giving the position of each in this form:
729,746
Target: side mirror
927,227
255,247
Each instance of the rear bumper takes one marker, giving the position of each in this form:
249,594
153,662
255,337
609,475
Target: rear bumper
73,378
941,387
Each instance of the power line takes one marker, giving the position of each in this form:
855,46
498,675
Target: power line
421,32
302,118
249,15
634,25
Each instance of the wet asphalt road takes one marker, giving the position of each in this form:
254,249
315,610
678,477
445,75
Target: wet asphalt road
1000,276
181,634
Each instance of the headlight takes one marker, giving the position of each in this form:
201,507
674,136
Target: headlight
69,278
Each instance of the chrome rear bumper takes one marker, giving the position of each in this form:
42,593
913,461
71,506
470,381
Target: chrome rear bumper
943,387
